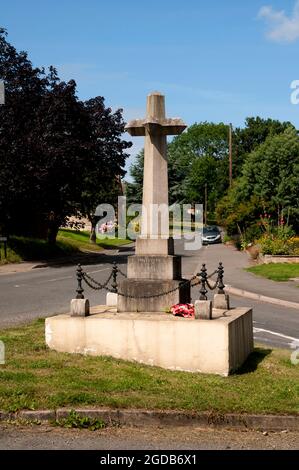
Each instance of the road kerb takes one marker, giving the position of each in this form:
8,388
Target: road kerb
144,418
262,298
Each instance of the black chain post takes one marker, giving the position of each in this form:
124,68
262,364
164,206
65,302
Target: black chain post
114,278
80,289
221,285
204,277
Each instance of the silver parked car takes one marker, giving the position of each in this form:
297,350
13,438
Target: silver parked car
211,234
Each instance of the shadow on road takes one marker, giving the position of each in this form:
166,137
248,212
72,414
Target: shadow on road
88,259
255,358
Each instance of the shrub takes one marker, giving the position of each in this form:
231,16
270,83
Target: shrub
253,233
272,245
227,238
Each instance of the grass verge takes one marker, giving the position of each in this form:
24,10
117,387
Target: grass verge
80,239
75,421
68,242
35,377
276,272
28,249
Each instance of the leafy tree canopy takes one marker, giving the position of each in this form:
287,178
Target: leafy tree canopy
253,134
58,156
269,181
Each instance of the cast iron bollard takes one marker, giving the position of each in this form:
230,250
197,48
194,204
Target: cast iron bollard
203,290
221,285
79,289
114,278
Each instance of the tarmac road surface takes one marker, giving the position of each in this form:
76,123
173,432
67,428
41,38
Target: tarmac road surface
46,291
148,438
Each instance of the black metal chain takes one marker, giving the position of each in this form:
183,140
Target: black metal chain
161,294
213,274
120,272
214,287
201,279
100,286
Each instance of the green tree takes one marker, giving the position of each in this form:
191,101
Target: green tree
207,141
58,156
271,172
269,181
199,156
104,166
251,136
25,89
134,189
203,172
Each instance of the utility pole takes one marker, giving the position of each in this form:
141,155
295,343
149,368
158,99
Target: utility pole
206,204
230,155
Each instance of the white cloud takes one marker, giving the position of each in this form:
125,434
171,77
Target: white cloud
282,28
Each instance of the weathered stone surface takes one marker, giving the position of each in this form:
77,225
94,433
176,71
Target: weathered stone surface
154,267
221,301
203,310
5,415
160,246
219,346
135,288
155,127
111,299
37,415
79,307
155,176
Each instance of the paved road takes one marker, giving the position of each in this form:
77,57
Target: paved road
235,261
148,438
46,291
273,325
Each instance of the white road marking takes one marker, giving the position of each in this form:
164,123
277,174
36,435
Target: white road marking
62,278
55,280
261,330
267,340
98,271
71,277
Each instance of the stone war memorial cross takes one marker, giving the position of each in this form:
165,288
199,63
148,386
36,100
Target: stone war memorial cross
154,269
138,329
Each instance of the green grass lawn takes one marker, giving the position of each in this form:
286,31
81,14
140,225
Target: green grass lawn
27,249
68,242
35,377
80,239
276,272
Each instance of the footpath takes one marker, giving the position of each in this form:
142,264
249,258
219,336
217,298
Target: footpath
245,284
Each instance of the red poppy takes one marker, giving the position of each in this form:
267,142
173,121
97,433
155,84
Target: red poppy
183,310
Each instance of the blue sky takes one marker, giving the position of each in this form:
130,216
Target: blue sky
215,60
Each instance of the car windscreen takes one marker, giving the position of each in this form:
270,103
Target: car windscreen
211,231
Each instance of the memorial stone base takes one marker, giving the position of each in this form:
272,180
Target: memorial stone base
149,276
217,346
143,295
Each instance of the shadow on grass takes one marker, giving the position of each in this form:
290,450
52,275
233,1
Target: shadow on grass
32,249
252,362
